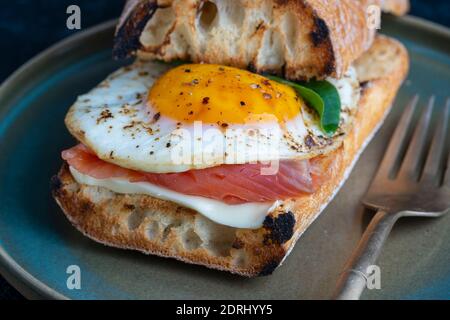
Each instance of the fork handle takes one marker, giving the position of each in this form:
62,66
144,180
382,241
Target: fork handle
353,279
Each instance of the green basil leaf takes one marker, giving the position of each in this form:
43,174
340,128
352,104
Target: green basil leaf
331,114
323,97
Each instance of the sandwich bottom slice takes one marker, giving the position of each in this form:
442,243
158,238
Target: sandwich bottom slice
163,228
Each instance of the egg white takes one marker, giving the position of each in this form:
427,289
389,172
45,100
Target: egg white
115,121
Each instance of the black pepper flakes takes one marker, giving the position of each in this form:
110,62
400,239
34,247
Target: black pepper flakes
129,126
242,103
224,125
187,70
309,141
205,100
157,116
168,145
104,115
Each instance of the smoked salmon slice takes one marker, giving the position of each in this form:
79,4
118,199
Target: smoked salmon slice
232,184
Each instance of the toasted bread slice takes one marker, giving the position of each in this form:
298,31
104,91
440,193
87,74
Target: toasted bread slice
163,228
296,39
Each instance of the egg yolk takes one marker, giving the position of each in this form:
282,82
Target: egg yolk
219,94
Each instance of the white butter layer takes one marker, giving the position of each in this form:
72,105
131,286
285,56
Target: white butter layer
245,216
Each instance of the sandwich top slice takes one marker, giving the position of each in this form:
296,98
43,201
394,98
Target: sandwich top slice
213,164
298,40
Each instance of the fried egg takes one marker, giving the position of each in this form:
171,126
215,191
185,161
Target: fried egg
154,117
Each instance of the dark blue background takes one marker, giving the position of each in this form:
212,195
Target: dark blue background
29,26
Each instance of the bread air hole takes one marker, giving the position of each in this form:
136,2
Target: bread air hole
135,219
290,31
175,224
191,240
240,259
152,230
207,14
217,239
271,52
158,28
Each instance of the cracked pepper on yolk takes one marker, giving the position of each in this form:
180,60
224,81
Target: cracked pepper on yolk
213,93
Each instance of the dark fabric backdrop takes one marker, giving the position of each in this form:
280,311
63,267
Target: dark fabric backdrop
29,26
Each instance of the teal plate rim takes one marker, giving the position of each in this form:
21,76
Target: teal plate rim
21,279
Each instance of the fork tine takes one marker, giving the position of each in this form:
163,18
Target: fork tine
447,174
431,170
410,165
399,136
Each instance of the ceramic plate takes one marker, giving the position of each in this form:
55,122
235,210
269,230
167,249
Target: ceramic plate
37,243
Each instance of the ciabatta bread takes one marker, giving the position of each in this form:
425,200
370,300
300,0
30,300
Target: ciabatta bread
296,39
163,228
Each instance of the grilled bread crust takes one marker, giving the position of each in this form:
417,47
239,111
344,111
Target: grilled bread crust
158,227
297,39
397,7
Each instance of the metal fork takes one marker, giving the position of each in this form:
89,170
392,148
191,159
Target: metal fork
416,186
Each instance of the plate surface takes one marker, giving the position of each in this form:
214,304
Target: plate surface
37,243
